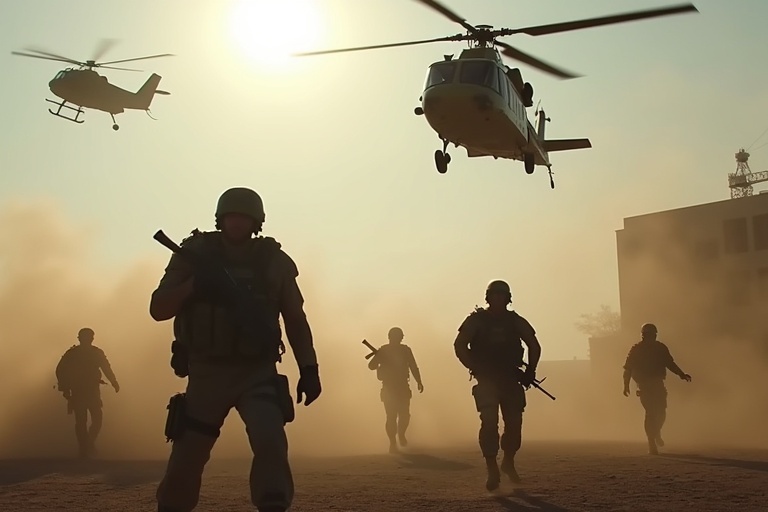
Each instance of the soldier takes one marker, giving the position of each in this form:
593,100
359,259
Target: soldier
392,363
647,364
228,367
489,346
79,377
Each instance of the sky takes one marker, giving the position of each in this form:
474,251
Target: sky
346,169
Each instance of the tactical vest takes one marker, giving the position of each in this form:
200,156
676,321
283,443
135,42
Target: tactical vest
210,330
496,346
79,368
393,364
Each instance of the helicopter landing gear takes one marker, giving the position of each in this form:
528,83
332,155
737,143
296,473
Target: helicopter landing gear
530,163
551,179
442,159
63,104
114,125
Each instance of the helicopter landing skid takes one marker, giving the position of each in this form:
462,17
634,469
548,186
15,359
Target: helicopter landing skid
63,104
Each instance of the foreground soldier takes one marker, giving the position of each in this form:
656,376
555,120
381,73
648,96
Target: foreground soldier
489,345
226,366
393,363
647,363
79,377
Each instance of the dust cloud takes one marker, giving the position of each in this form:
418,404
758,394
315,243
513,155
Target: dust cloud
50,288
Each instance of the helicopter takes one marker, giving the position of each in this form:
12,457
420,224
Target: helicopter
479,103
83,87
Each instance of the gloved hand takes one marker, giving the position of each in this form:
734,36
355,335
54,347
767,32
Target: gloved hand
309,385
528,377
686,377
116,387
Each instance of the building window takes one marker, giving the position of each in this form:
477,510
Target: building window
760,231
735,234
762,283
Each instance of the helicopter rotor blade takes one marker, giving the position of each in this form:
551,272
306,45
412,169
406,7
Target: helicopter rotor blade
52,56
44,57
437,6
457,37
137,58
516,54
121,69
104,46
604,20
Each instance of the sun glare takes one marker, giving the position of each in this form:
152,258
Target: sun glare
267,32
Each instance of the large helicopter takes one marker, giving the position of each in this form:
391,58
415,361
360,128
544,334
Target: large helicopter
84,87
479,103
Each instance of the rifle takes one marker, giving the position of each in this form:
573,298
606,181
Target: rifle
372,348
537,384
241,303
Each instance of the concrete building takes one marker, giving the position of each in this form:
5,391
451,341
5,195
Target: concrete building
700,273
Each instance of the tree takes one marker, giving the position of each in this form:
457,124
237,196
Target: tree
603,323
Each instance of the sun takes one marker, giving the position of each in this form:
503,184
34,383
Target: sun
268,32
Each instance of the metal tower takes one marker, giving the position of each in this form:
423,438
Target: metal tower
741,181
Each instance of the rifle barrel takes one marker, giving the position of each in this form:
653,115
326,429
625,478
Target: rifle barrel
167,242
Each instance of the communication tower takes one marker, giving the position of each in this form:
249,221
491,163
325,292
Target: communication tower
741,181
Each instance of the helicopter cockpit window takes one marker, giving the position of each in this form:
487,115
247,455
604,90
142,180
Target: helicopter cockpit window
479,73
441,73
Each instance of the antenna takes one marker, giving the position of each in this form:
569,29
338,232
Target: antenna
741,181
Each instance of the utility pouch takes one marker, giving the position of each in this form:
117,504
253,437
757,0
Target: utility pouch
174,424
284,399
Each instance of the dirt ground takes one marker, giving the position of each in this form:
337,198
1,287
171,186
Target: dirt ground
558,477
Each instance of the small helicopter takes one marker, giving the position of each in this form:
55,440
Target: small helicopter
84,87
479,103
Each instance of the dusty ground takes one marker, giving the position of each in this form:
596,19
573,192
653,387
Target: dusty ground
557,477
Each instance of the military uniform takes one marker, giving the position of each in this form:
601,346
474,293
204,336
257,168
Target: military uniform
489,344
79,375
394,363
229,368
647,363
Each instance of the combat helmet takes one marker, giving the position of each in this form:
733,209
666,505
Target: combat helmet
240,200
395,332
649,329
498,286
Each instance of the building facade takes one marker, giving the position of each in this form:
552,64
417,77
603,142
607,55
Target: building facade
699,273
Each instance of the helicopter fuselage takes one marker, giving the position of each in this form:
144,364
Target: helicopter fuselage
86,88
471,102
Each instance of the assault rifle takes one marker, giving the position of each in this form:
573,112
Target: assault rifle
537,384
372,348
242,304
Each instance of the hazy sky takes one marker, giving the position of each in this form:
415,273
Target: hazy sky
345,167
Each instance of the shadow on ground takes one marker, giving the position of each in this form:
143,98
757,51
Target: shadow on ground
120,473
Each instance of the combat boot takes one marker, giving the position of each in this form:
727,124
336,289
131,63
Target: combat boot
508,467
494,476
652,447
402,439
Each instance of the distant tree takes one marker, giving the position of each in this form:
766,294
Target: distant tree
603,323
